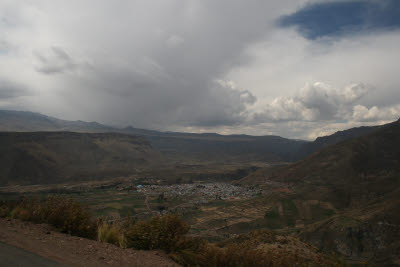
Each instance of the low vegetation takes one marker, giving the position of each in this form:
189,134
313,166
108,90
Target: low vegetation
168,233
67,215
111,233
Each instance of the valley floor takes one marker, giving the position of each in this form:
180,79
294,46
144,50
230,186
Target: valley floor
74,251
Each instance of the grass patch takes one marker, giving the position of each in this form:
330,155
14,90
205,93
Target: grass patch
111,233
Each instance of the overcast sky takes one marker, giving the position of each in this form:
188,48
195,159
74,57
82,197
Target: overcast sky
294,68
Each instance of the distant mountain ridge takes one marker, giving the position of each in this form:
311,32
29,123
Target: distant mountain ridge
26,121
178,147
189,147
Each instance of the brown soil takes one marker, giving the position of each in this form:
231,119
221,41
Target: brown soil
74,251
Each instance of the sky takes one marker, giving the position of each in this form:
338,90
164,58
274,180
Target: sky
294,68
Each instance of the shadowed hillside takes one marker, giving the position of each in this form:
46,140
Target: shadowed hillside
360,180
52,157
214,148
353,169
182,148
340,136
190,148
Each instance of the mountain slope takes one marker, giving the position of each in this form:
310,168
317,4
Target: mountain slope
365,165
190,148
53,157
359,181
340,136
225,149
185,148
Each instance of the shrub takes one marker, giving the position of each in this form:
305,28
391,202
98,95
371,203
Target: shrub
4,211
6,207
69,216
27,210
160,232
188,250
65,214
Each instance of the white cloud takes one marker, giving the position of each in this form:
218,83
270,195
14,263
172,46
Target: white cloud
314,102
364,114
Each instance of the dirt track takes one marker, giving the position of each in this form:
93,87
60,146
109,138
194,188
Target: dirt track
74,251
13,256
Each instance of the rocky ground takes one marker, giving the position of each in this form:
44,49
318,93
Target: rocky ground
68,250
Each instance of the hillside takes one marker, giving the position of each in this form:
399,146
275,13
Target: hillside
53,157
190,148
367,164
225,149
351,190
185,156
180,148
340,136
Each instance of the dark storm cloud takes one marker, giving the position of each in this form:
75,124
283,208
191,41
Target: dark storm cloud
154,99
160,69
9,90
53,61
223,105
344,17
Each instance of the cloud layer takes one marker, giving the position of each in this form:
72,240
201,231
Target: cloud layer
10,90
202,65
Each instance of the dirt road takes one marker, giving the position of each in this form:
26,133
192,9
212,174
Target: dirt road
13,256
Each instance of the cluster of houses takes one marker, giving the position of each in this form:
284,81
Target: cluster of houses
208,191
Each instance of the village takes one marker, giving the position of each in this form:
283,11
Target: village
206,191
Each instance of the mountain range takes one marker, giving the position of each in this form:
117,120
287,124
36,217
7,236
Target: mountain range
189,148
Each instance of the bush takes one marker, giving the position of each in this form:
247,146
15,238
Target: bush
160,232
28,210
4,211
65,214
69,216
188,251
